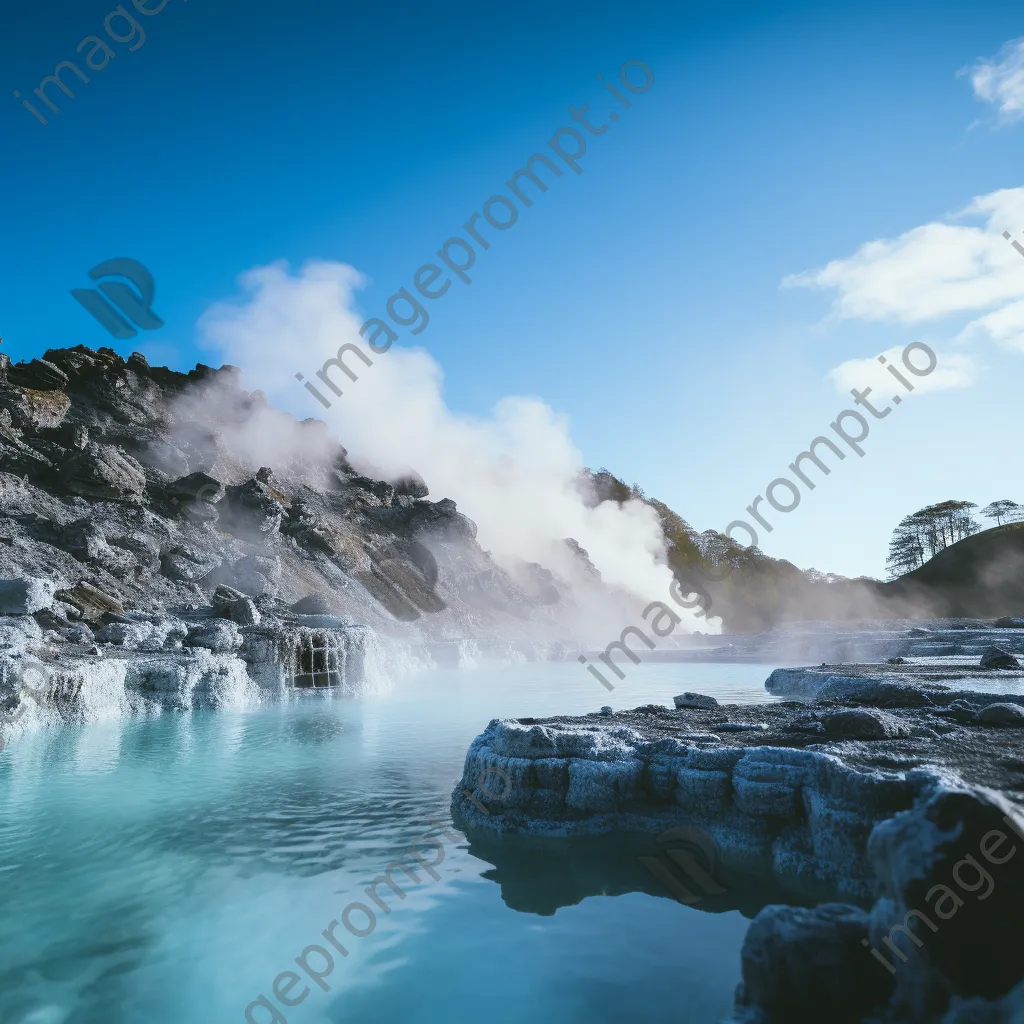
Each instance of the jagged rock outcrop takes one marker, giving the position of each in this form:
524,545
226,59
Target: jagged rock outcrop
141,526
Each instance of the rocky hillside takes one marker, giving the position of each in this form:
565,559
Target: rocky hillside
131,482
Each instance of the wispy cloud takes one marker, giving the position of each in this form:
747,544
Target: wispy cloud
954,370
1000,80
937,270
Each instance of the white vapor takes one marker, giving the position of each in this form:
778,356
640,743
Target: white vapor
513,472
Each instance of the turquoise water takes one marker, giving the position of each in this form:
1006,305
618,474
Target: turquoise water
168,869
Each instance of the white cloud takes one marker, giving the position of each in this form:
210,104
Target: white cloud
931,271
1005,326
513,472
953,370
1000,80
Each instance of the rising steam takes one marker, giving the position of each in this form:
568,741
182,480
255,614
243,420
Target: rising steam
515,472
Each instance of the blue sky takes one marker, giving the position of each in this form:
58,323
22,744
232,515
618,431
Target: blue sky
642,299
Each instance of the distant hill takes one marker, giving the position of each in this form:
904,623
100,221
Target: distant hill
979,577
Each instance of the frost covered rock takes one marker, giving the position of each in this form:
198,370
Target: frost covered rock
243,612
147,635
217,635
25,595
315,604
1006,715
17,631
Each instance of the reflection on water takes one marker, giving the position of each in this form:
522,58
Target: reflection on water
168,869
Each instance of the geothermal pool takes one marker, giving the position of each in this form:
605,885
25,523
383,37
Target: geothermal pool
168,869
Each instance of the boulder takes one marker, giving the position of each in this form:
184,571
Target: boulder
224,595
196,495
412,485
314,604
25,595
104,471
91,602
809,964
694,700
862,724
996,657
243,612
188,564
34,410
255,506
1004,715
218,635
38,375
945,872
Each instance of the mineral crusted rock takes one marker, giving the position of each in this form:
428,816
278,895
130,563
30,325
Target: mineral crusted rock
863,724
25,595
217,635
906,830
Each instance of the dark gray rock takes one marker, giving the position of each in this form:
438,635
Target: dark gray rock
38,375
803,964
1005,715
862,724
243,612
188,563
996,657
931,859
104,471
694,700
